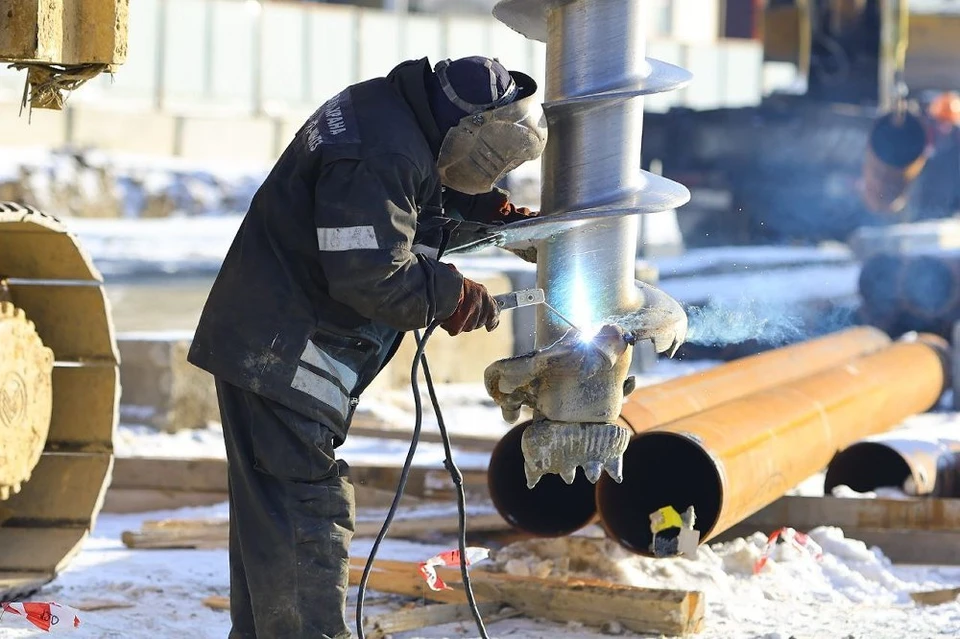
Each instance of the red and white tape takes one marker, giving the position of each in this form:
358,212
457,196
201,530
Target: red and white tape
450,558
48,616
798,540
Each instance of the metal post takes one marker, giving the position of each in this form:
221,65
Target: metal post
586,238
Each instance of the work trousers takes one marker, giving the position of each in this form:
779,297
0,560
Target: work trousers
291,521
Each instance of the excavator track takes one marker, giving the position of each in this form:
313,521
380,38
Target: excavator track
59,398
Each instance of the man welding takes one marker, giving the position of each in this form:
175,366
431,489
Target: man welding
336,258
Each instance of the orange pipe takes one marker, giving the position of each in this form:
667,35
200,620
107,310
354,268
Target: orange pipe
893,160
730,461
661,403
552,508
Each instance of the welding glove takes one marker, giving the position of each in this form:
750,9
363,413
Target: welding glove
493,207
476,308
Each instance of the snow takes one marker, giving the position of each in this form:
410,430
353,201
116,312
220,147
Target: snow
851,590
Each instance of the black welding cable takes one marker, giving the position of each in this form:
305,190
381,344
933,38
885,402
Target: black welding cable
404,474
457,477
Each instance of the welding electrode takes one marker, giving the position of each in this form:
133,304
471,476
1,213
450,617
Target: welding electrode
529,297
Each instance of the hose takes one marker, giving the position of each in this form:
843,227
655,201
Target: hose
451,467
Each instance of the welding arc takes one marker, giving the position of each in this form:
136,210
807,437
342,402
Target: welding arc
404,475
558,314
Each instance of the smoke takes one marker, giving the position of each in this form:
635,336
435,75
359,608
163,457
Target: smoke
722,322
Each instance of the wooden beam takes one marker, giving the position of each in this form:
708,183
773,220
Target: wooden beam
588,601
477,443
935,597
877,514
217,602
916,531
417,617
142,500
158,473
214,533
174,483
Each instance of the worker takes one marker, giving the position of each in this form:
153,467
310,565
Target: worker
336,258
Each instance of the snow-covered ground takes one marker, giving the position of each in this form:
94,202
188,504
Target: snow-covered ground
850,591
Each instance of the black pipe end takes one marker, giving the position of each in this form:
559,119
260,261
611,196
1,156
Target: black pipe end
898,144
866,466
659,469
551,508
929,286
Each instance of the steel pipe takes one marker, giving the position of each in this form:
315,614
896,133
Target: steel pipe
731,460
919,464
553,508
586,235
893,160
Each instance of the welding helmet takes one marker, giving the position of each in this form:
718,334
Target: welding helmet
492,138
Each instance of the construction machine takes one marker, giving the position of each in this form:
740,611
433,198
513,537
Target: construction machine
59,363
852,143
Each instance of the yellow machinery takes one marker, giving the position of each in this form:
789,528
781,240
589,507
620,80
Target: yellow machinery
59,377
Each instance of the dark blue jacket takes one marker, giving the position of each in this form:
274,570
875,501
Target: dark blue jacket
337,255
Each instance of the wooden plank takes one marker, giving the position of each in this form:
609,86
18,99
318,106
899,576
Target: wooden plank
85,403
34,254
93,605
421,527
64,488
591,602
924,547
44,550
217,602
403,578
14,585
804,513
935,597
457,440
214,533
200,475
415,618
142,500
179,533
430,483
210,475
71,320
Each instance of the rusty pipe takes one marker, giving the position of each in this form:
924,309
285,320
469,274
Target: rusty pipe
920,464
931,463
731,460
894,158
683,396
553,508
